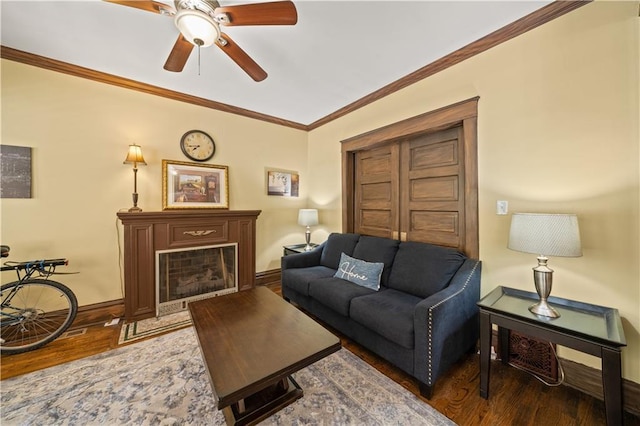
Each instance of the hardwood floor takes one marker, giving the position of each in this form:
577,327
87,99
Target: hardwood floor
516,397
95,340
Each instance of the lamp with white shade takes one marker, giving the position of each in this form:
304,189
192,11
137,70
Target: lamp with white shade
308,218
545,235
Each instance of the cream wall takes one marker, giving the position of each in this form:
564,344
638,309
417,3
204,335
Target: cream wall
80,131
557,132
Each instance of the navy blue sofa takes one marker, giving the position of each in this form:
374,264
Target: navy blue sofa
422,319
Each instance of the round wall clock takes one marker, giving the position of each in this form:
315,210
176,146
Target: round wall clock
197,145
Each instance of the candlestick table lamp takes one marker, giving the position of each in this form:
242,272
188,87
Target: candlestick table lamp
135,156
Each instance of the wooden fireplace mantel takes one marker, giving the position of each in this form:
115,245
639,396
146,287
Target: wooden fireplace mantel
147,232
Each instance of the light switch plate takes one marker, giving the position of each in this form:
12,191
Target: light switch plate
502,207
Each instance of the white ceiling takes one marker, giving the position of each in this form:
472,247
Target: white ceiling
338,52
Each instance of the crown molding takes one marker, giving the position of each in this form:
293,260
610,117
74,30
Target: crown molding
101,77
521,26
516,28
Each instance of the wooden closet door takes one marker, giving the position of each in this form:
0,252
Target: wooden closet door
434,196
432,181
376,191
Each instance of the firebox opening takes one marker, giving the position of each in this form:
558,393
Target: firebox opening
194,273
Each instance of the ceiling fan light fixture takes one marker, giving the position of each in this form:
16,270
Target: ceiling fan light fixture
197,27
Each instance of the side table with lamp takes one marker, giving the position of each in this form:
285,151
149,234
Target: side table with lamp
592,329
307,218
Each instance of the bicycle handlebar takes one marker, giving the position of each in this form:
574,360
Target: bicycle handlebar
33,264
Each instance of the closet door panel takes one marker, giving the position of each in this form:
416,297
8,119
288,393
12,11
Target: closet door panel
441,228
433,189
432,204
434,154
376,191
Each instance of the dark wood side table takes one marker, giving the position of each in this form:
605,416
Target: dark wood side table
296,248
592,329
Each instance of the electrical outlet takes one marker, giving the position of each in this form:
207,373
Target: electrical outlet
502,207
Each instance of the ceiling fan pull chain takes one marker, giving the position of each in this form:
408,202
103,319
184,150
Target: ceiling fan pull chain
198,59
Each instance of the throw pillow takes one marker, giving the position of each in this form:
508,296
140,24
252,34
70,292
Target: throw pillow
365,274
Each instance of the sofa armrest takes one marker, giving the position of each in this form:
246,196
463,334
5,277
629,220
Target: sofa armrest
302,260
446,324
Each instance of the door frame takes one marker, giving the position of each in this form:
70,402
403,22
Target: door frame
463,113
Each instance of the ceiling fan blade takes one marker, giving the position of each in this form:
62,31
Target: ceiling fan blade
241,58
148,5
274,13
179,55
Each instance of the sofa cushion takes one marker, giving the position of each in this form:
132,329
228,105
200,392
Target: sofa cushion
423,269
377,249
388,313
336,293
366,274
335,245
298,279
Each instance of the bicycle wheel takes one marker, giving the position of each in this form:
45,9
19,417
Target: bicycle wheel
34,313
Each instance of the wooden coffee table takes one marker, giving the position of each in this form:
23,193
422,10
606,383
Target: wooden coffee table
251,342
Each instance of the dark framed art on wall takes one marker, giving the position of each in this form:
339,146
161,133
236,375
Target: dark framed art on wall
15,171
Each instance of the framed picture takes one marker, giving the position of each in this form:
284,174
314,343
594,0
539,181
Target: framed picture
194,186
15,171
283,183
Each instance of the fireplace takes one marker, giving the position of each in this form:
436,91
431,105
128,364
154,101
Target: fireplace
146,233
194,273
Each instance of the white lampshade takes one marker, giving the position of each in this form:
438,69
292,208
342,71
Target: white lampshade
197,27
308,217
545,234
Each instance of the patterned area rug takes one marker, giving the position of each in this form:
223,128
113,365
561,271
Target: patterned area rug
153,326
162,381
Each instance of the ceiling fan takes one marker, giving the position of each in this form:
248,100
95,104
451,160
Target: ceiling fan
199,24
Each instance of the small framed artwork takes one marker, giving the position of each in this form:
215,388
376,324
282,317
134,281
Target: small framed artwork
283,183
194,186
15,174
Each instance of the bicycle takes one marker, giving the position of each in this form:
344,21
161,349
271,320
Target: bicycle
35,309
